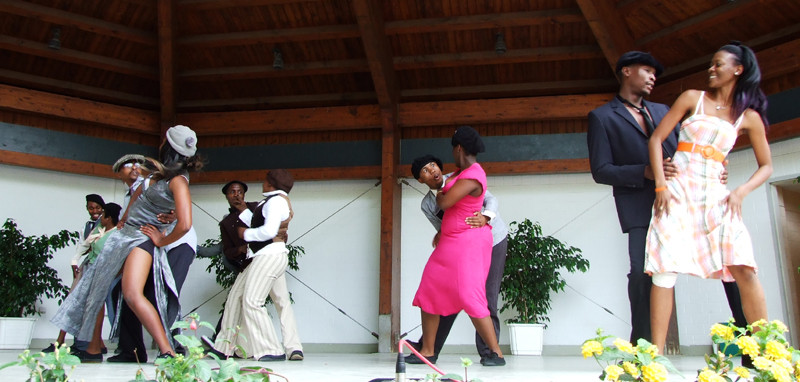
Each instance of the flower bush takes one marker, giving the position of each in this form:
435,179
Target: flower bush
621,361
48,367
764,342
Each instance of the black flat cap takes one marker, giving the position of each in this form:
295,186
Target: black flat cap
636,57
95,198
225,187
419,163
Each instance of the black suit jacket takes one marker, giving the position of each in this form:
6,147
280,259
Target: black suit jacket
618,154
229,236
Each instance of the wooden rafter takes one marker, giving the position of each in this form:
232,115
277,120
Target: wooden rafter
703,21
328,32
302,99
504,90
39,49
609,28
84,23
376,46
267,71
166,62
10,76
14,98
205,5
488,21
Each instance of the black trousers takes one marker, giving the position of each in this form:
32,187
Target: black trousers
640,283
130,329
493,280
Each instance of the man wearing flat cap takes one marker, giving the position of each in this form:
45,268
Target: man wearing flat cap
619,157
269,254
128,169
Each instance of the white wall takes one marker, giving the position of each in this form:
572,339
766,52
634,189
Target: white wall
342,254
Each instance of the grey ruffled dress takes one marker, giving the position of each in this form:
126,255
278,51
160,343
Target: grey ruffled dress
79,310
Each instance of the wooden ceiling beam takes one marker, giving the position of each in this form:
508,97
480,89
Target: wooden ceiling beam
206,5
497,90
166,62
38,49
267,71
559,53
703,21
369,15
19,78
514,56
361,97
327,32
608,27
488,21
32,101
81,22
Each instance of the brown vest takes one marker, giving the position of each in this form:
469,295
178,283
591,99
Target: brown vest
258,221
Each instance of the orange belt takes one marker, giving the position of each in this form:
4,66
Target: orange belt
708,152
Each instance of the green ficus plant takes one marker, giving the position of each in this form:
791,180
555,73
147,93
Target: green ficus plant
534,265
24,274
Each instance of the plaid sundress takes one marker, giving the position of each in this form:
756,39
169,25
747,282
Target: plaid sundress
698,236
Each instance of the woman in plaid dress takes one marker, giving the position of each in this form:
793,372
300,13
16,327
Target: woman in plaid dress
697,223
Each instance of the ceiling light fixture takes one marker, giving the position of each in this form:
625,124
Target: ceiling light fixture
500,44
55,40
277,59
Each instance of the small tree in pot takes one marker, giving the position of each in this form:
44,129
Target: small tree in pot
533,271
25,278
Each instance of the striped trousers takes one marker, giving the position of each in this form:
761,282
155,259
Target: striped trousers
245,306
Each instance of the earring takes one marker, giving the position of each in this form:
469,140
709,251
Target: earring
736,73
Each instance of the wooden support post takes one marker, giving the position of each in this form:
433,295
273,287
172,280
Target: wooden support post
166,62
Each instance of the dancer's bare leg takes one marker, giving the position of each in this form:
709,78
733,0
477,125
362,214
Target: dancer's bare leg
660,311
754,303
134,276
430,324
485,329
96,344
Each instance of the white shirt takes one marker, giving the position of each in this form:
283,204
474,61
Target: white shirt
275,211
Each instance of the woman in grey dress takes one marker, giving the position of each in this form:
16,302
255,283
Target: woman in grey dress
137,245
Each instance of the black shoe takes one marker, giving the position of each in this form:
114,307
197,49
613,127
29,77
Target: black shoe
494,360
49,349
165,356
272,358
127,357
414,360
104,350
296,355
87,357
217,353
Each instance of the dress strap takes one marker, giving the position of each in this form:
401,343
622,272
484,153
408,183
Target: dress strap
699,109
739,121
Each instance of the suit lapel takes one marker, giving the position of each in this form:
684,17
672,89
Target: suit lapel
623,112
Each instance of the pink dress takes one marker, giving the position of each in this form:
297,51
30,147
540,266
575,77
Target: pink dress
699,237
454,278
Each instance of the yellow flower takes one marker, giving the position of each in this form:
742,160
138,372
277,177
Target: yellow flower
780,374
762,363
654,372
613,372
776,350
709,376
742,372
784,364
652,350
591,347
625,346
760,323
780,326
631,369
748,345
723,331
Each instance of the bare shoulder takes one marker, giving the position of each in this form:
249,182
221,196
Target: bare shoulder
752,122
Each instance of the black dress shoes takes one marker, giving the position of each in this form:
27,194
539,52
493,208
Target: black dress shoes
127,357
296,355
272,358
414,360
493,360
49,349
87,357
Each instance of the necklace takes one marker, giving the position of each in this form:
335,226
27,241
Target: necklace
719,107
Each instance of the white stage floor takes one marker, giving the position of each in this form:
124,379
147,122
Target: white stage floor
366,367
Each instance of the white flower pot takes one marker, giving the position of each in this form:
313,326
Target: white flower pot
526,339
16,332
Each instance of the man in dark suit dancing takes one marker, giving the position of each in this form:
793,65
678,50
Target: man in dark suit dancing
618,155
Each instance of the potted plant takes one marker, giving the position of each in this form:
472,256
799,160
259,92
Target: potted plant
533,271
25,278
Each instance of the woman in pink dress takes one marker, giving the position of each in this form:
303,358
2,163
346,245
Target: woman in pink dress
454,278
697,225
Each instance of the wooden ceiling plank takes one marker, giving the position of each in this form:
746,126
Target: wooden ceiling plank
498,89
206,5
166,62
84,23
327,32
608,27
703,21
10,76
369,15
76,57
362,97
499,110
515,56
32,101
267,71
285,120
487,21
